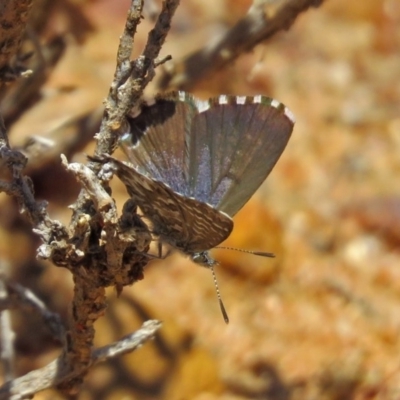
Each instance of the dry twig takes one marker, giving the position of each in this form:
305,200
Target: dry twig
50,375
94,247
17,297
7,335
264,19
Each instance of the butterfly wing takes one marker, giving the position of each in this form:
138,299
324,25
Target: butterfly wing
184,223
233,146
156,144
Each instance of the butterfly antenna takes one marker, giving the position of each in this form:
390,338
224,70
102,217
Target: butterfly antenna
221,304
255,253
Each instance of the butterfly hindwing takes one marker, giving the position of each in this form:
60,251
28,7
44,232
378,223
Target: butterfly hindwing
184,223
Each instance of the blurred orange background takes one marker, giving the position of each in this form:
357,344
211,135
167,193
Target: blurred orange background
321,320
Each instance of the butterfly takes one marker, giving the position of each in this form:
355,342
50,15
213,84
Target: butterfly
194,163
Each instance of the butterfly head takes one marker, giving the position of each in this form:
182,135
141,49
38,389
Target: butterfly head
204,259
